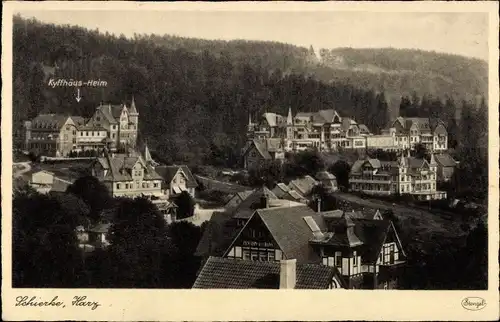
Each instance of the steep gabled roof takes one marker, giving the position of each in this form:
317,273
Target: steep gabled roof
371,232
445,160
252,202
107,111
120,167
220,231
244,274
168,172
291,232
303,185
261,147
280,190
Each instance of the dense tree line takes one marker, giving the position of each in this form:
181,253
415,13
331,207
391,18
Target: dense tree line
406,71
190,102
144,251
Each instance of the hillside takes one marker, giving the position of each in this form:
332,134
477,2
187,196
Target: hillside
193,104
402,72
397,72
194,96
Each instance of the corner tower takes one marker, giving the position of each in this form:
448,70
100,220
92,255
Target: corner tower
134,120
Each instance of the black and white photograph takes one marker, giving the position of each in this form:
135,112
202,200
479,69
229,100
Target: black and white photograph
250,150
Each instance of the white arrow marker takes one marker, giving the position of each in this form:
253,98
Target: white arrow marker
78,97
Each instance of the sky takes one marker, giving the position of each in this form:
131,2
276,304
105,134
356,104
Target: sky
456,33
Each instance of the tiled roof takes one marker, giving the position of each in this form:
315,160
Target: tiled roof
291,232
415,163
59,185
120,168
262,149
79,121
372,233
445,160
280,190
343,230
303,185
295,195
168,173
220,231
244,274
244,194
49,121
325,175
252,202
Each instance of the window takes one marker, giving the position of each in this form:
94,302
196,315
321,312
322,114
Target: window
255,256
237,252
355,258
114,135
74,132
246,254
155,185
67,128
338,260
263,256
98,118
65,137
118,186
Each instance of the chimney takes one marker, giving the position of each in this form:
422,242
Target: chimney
264,199
288,273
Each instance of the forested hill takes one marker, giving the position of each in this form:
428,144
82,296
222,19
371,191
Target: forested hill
404,71
194,96
396,71
191,104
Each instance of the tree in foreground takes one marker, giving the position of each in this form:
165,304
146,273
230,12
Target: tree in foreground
45,248
138,245
93,192
185,205
341,170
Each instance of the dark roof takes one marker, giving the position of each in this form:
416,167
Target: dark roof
325,175
445,160
120,168
59,185
372,233
244,194
220,231
244,274
252,202
49,121
303,185
261,147
167,172
291,232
